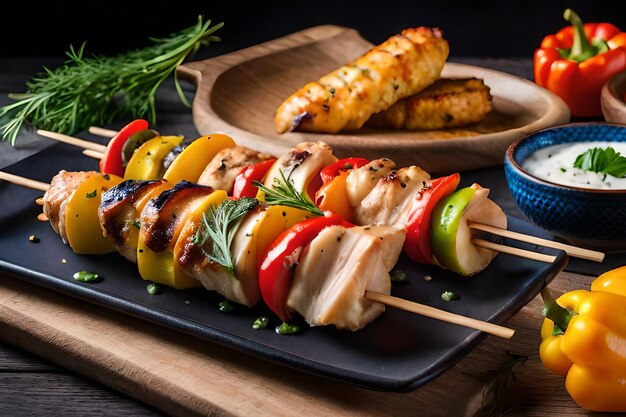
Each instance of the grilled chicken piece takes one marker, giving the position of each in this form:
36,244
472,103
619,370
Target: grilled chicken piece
56,198
120,212
390,201
447,103
403,65
227,164
257,230
302,165
362,180
164,216
190,256
337,268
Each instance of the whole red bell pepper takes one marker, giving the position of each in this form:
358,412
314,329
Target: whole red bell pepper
575,62
278,267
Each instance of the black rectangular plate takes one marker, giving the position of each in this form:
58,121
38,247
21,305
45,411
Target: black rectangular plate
399,351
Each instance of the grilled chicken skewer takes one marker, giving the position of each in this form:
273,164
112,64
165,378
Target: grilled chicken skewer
360,301
221,161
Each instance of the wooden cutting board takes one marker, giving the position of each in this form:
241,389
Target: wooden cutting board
185,376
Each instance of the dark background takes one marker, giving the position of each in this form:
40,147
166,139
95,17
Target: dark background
474,28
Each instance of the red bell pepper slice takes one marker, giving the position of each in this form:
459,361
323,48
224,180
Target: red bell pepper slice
111,162
417,244
346,164
278,267
244,181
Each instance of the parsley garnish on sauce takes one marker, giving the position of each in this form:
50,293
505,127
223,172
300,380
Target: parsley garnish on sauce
606,161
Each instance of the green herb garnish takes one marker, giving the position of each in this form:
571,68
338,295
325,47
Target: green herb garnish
449,296
226,306
96,90
84,276
607,161
398,275
153,289
220,225
287,328
92,194
260,323
283,193
137,223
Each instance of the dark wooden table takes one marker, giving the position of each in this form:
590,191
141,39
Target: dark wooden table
32,386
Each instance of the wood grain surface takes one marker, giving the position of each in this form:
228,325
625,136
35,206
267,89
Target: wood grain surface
238,93
185,376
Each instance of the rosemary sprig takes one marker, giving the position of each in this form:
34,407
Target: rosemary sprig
220,225
96,90
283,193
500,380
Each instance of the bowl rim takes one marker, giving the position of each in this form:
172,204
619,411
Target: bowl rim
521,171
609,89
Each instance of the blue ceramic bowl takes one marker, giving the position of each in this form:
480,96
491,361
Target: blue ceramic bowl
584,217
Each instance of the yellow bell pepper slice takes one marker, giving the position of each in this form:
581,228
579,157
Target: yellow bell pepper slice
194,159
332,197
251,245
84,233
146,162
161,267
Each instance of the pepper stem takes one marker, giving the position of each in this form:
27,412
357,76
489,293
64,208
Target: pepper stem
553,311
582,49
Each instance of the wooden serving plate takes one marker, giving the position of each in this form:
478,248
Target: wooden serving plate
238,93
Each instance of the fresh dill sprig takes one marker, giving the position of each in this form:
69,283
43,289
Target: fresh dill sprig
283,193
220,225
96,90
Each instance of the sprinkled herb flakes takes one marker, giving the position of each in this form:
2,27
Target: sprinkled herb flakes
85,276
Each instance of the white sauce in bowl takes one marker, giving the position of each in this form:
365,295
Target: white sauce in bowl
556,164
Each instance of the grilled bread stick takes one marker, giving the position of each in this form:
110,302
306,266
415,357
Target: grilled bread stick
447,103
345,99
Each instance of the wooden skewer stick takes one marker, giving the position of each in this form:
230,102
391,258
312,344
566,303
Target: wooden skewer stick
569,249
25,182
99,131
522,253
442,315
93,154
72,141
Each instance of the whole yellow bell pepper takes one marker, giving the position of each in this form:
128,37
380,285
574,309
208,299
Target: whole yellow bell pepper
584,339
